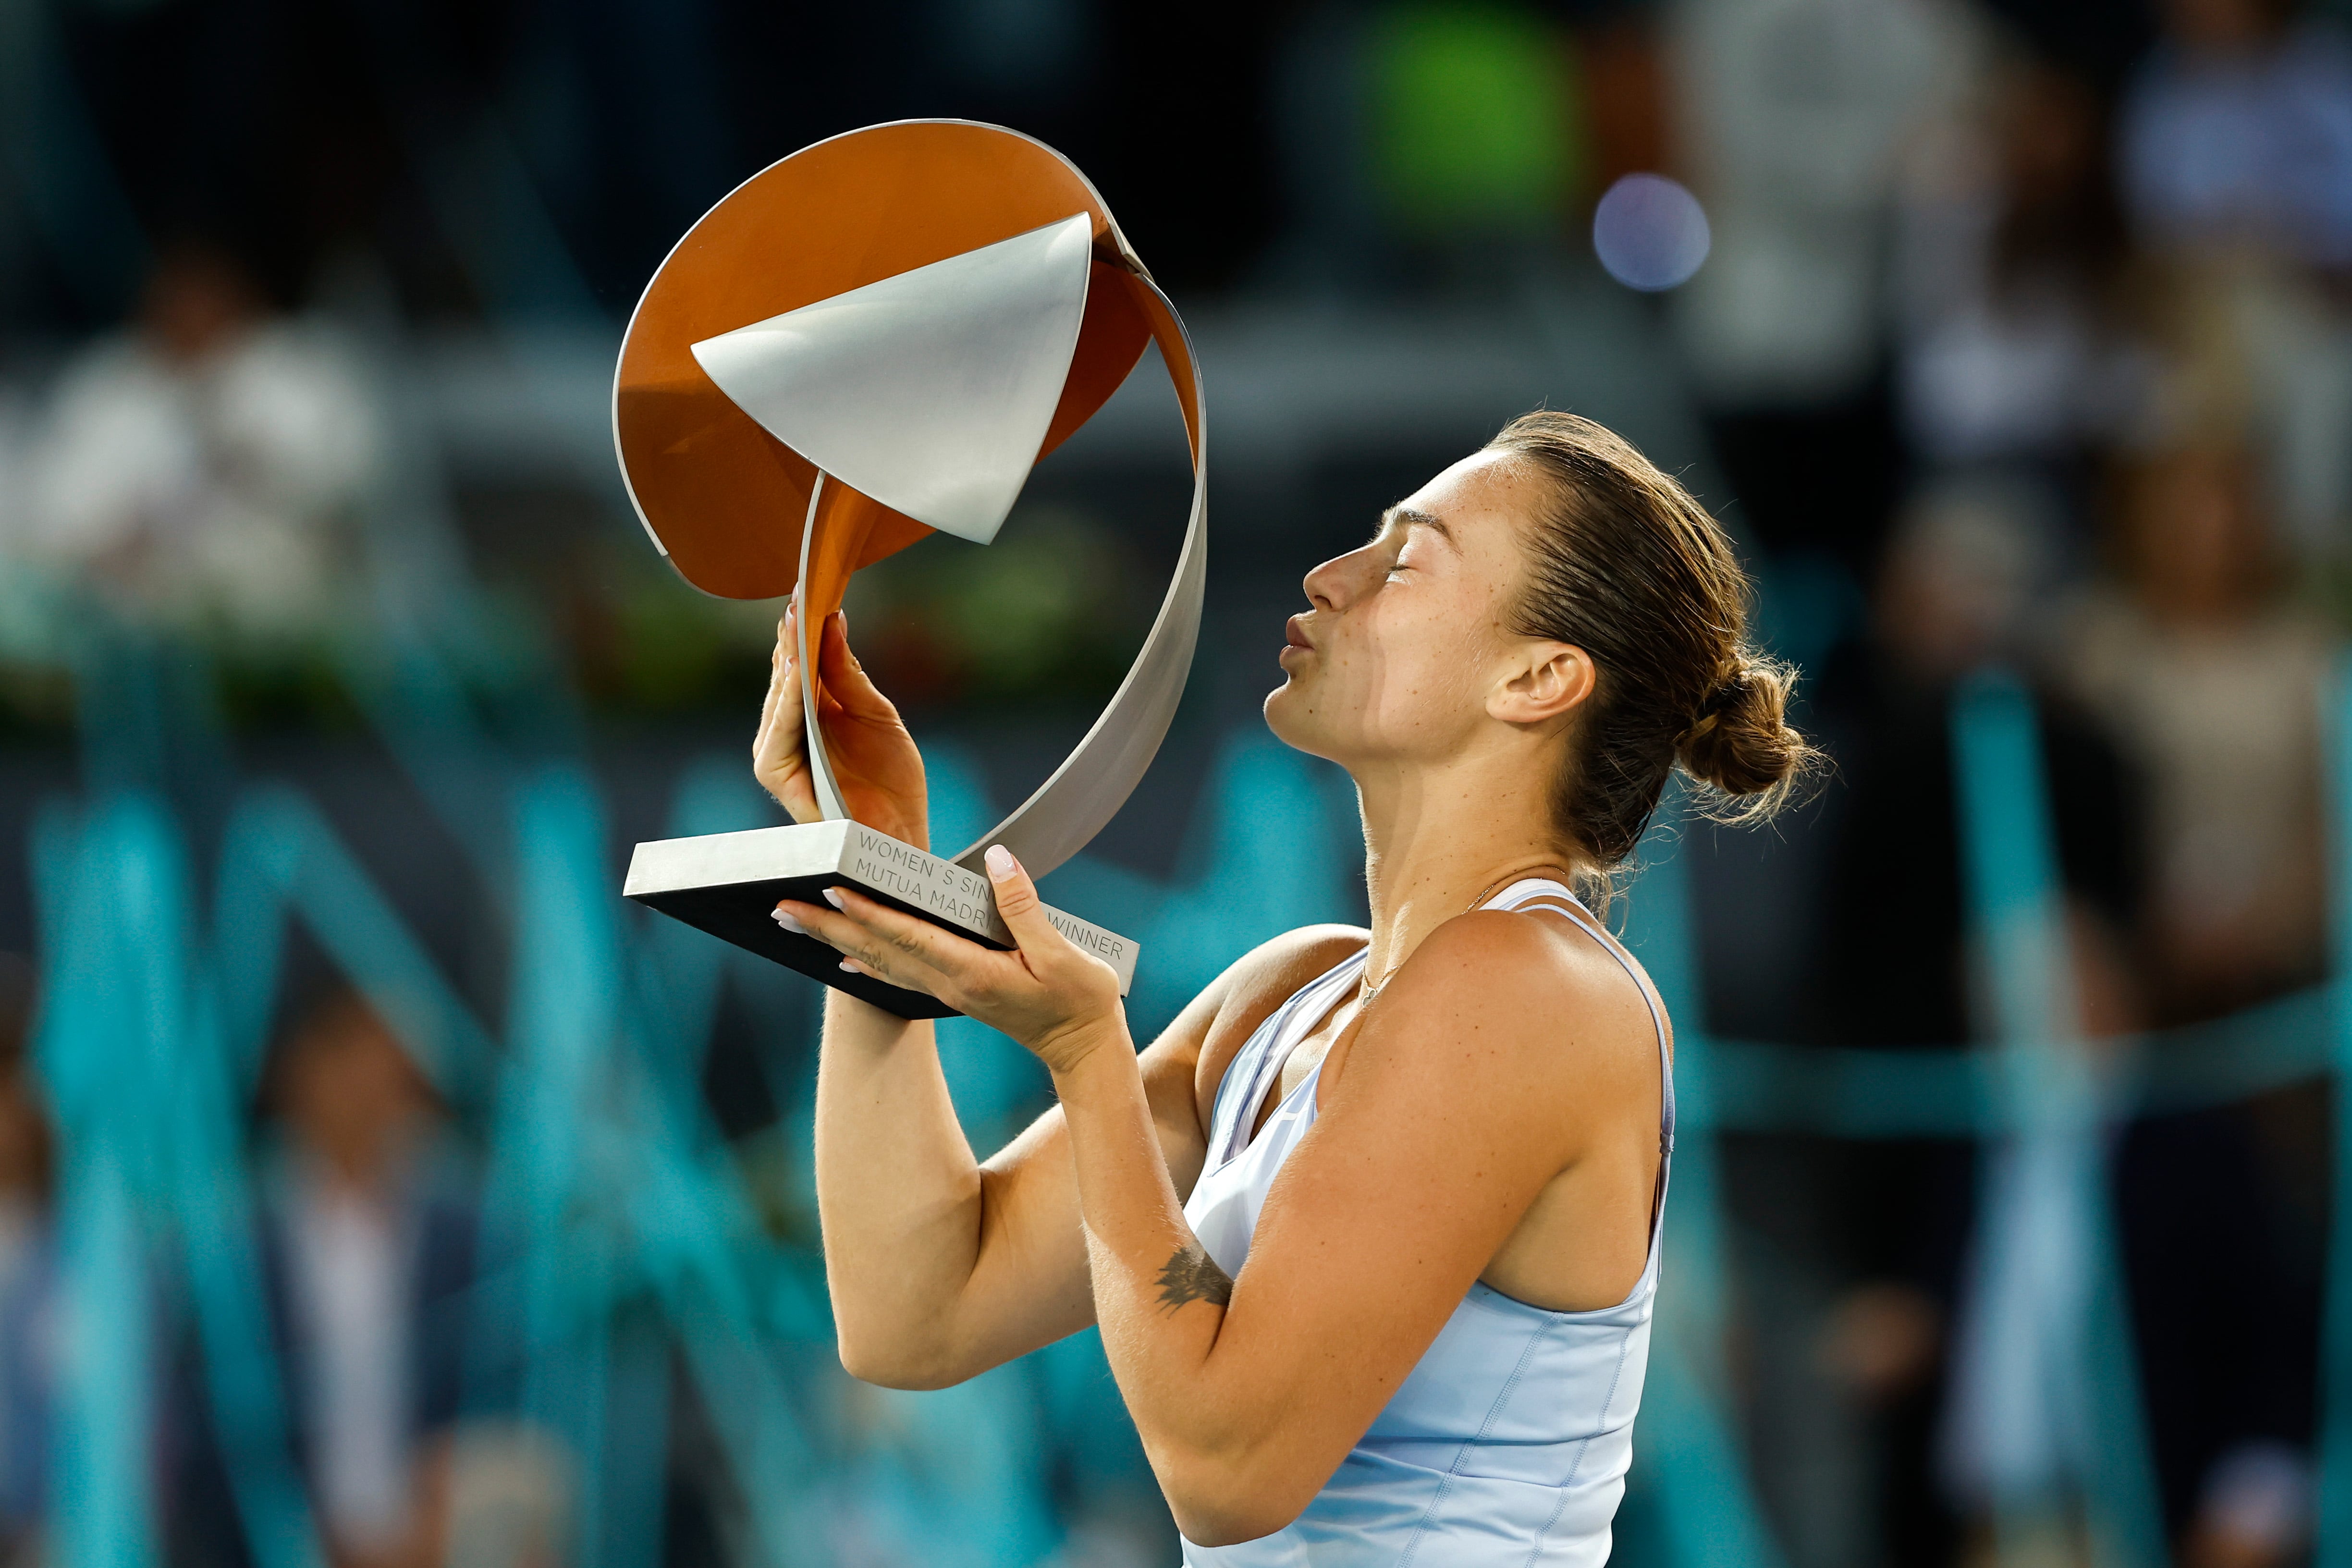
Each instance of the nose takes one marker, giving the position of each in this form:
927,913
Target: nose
1342,581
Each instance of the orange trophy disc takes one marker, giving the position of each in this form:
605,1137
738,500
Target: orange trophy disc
875,338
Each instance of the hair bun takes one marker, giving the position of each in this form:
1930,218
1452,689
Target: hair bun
1740,741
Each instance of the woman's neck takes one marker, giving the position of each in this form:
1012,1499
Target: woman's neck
1438,841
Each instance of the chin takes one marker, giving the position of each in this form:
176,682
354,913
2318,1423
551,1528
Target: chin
1292,718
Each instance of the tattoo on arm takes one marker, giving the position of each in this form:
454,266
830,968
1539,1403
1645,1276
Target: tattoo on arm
1190,1276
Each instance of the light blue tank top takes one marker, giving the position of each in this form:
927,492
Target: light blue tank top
1508,1442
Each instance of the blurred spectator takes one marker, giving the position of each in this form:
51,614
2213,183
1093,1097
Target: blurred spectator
2237,168
1962,583
27,1283
203,468
1797,115
2238,133
2012,251
1965,582
369,1262
2212,681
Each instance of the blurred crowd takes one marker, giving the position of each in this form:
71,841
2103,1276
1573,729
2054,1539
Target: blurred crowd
2101,438
2023,341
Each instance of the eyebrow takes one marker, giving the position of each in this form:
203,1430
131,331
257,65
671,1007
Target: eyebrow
1410,516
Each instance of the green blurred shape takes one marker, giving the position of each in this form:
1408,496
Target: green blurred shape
1474,119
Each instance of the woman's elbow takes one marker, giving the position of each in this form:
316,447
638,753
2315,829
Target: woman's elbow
897,1363
1225,1504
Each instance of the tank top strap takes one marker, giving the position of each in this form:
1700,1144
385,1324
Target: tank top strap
1548,893
1243,1087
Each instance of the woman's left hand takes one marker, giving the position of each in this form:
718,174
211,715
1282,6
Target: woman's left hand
1055,998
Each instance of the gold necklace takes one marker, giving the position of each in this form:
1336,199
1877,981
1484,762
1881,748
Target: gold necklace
1368,990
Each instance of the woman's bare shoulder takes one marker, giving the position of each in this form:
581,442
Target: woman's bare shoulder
1525,985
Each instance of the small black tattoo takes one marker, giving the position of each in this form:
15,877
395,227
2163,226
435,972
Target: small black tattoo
1191,1274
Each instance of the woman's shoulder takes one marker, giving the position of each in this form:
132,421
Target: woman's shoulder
1533,983
1516,1025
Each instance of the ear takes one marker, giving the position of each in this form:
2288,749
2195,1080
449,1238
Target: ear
1545,681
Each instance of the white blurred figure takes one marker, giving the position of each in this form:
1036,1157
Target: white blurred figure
1798,116
203,469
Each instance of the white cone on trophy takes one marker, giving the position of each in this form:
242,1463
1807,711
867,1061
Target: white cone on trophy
930,391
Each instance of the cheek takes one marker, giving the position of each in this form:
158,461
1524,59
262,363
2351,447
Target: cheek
1406,672
1428,656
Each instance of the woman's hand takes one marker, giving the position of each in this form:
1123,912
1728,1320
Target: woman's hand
875,764
1057,1000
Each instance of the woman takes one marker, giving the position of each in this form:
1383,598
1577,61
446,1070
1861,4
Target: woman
1441,1145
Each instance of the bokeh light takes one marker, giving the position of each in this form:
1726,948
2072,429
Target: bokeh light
1650,232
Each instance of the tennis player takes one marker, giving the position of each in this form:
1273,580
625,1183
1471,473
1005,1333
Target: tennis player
1371,1231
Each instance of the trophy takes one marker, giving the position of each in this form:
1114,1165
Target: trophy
873,339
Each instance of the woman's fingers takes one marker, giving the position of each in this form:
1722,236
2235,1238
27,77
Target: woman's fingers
890,944
779,756
764,739
1049,995
1018,902
845,680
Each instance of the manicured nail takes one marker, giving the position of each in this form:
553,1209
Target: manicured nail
1000,861
851,965
785,919
833,897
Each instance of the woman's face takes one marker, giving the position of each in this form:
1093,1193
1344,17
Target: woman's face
1404,643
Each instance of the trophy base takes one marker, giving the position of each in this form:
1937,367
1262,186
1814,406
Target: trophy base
728,884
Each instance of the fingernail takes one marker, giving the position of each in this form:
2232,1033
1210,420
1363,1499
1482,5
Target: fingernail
833,897
1000,861
851,965
790,924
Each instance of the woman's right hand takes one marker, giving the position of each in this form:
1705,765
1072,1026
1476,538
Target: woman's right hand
875,764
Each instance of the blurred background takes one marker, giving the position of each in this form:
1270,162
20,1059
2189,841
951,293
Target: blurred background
378,1190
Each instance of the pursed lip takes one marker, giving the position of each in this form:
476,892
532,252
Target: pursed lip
1295,635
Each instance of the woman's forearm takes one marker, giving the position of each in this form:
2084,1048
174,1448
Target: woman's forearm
1160,1300
898,1194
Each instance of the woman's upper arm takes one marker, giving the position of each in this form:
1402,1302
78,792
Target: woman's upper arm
1463,1093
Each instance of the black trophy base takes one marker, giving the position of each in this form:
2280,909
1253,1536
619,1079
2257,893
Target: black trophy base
728,885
